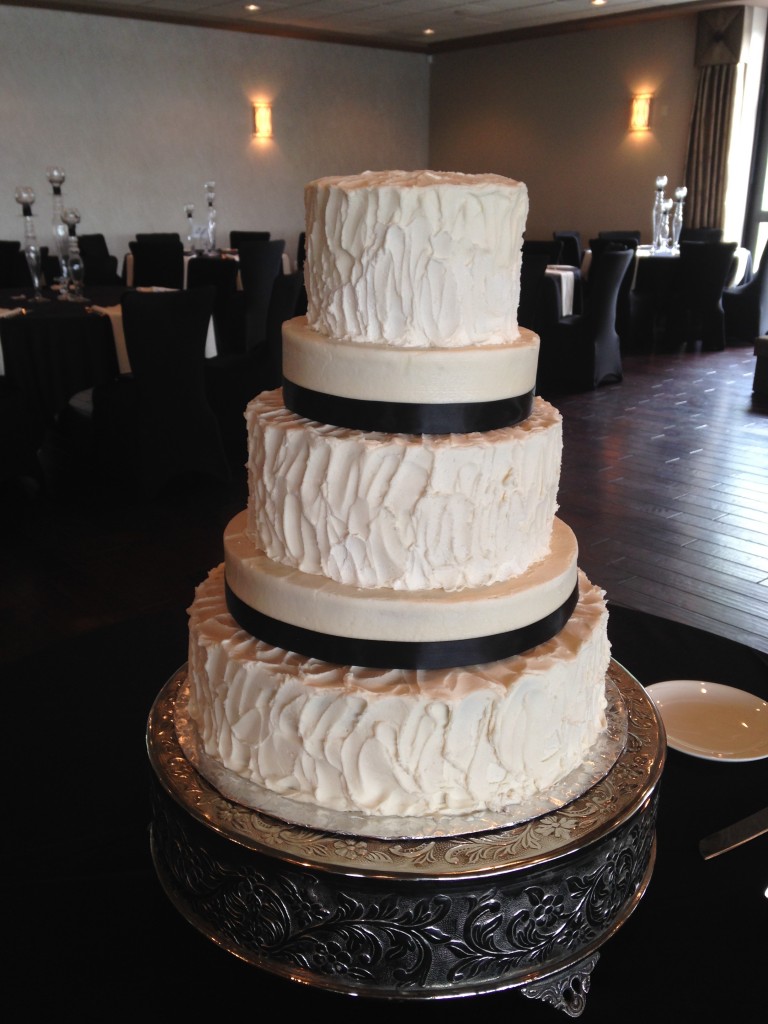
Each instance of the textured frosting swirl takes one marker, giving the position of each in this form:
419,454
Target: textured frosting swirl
408,512
392,741
415,258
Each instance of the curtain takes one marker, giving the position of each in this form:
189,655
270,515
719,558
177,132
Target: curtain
719,38
706,165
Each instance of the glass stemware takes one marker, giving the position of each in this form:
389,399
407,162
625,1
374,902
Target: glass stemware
56,178
658,211
210,199
25,197
189,211
665,237
75,265
677,217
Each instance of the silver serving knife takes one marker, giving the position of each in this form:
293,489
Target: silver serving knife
734,835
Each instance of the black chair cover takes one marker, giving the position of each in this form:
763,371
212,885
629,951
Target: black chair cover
229,306
533,269
240,238
99,265
745,307
159,263
553,249
8,263
260,264
582,351
573,252
157,421
695,307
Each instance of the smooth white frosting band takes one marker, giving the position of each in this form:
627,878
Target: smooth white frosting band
381,373
324,606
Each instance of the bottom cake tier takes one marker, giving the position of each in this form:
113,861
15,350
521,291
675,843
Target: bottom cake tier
523,907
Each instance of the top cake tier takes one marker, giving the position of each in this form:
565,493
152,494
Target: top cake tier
415,259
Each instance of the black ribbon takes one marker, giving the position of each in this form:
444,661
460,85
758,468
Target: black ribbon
343,650
406,417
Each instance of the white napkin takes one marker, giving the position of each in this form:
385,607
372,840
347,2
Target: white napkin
115,314
567,278
4,313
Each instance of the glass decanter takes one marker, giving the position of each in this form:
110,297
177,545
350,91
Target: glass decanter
677,217
75,265
665,234
25,197
658,211
189,212
56,177
210,199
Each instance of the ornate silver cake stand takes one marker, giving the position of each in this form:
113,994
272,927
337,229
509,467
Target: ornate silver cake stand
525,907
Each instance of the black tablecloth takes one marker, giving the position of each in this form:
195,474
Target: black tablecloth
90,932
56,349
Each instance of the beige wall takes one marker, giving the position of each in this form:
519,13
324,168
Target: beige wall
141,114
554,113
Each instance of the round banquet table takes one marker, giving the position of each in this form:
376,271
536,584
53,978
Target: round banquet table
56,348
93,931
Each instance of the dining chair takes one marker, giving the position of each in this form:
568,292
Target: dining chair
260,263
745,306
284,304
16,266
695,306
9,250
100,266
533,269
573,251
598,246
238,238
156,421
551,248
582,352
158,263
701,234
654,280
232,380
229,305
621,235
158,236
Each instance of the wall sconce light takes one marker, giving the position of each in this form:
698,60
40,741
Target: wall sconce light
640,117
262,121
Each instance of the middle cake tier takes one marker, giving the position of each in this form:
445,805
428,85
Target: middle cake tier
400,511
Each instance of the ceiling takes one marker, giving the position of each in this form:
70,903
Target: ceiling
392,24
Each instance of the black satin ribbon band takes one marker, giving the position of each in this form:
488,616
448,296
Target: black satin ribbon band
406,417
342,650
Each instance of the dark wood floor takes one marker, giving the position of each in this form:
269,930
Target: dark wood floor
665,483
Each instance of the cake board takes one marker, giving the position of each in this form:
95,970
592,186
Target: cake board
525,907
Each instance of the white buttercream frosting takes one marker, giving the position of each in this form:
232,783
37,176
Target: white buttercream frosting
413,288
410,512
415,258
393,742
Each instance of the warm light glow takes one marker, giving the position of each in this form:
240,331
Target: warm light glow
598,3
429,32
252,7
262,120
640,118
